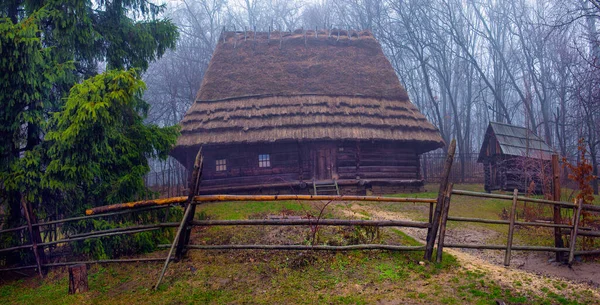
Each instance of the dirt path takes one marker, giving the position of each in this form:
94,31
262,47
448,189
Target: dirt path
528,271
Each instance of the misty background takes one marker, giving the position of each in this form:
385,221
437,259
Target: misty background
464,63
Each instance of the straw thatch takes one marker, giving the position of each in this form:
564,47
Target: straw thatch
299,87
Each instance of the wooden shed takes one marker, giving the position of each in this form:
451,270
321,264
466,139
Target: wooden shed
514,157
304,113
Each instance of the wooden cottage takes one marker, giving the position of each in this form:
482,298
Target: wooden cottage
304,113
514,157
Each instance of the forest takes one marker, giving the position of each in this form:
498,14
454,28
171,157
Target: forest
464,63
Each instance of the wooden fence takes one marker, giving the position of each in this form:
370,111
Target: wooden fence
573,229
437,222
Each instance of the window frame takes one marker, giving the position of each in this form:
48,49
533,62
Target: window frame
220,167
264,160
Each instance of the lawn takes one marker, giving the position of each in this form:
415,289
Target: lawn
292,277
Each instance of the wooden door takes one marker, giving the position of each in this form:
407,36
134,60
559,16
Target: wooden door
323,158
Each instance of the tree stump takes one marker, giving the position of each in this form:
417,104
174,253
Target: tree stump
78,280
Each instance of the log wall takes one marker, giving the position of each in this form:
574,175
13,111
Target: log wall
377,167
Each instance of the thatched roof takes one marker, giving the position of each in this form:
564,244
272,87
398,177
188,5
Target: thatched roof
297,87
516,141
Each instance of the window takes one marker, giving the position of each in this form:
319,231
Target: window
221,165
264,160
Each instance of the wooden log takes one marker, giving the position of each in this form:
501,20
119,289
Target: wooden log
16,248
211,198
95,215
432,232
444,221
13,229
78,279
573,242
503,247
135,204
306,247
526,199
511,228
126,229
68,240
312,222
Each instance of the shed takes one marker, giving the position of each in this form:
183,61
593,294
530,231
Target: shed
513,157
299,112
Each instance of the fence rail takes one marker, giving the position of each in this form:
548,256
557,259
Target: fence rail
574,228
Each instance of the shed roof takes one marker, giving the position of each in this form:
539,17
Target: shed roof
516,141
262,87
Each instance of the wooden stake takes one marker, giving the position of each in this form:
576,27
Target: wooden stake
558,241
576,216
511,228
440,248
432,232
78,279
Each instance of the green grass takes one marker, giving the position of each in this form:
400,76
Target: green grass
280,277
242,210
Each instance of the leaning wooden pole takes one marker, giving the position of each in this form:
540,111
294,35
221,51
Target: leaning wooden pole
444,221
432,232
34,239
193,188
573,242
184,239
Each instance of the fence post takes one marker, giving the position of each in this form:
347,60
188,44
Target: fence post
440,248
558,241
511,228
576,216
182,236
432,232
194,187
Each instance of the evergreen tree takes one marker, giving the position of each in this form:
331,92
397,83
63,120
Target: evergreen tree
50,157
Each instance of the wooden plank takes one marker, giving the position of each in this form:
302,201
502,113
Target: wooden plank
511,228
